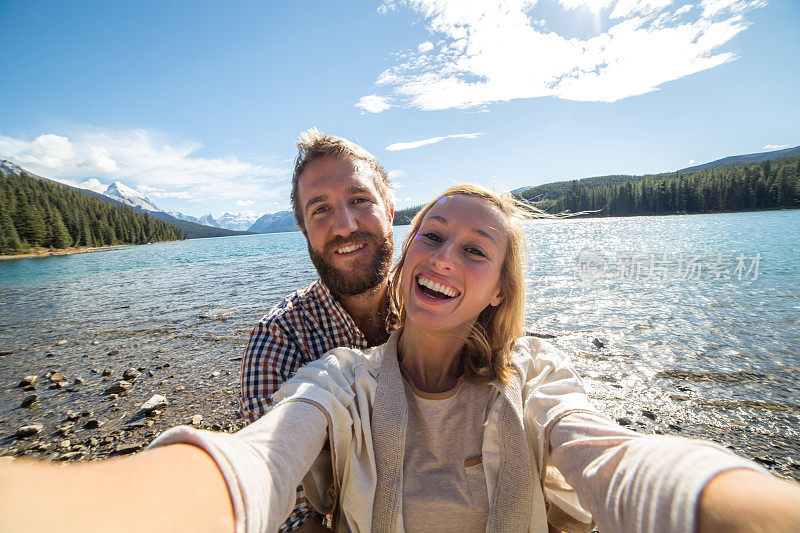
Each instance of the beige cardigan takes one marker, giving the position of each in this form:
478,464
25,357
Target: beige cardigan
362,396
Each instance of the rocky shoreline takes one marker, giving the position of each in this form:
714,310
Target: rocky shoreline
61,251
117,408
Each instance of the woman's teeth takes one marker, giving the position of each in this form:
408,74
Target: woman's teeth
446,292
351,248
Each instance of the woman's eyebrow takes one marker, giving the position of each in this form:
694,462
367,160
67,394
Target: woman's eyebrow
478,231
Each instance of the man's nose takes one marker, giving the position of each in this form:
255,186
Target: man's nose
344,221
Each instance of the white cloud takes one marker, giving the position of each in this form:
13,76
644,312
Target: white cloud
433,140
776,146
491,52
145,160
244,203
373,103
425,47
692,161
396,174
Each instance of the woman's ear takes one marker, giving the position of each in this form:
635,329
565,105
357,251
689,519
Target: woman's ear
497,297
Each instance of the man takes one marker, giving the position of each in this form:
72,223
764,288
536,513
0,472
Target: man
342,203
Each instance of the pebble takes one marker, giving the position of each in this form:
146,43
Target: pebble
69,455
180,388
58,385
57,376
130,373
30,401
65,443
215,374
113,397
93,442
28,430
623,421
598,343
113,352
196,419
28,381
108,372
120,387
155,402
79,381
126,448
65,428
95,343
674,427
4,353
648,414
92,424
61,342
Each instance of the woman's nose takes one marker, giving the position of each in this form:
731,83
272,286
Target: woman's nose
443,259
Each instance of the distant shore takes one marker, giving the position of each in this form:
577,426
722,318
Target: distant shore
42,252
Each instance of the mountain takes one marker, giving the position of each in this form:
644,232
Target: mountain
275,223
122,193
746,158
208,220
181,216
238,221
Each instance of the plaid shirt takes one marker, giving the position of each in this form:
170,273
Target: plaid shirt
302,328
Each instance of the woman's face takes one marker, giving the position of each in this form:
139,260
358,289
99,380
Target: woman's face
452,267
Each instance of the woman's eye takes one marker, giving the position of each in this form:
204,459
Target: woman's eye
475,251
432,236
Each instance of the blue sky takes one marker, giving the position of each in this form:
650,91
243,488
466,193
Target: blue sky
199,104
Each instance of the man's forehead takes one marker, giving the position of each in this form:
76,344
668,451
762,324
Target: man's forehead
346,175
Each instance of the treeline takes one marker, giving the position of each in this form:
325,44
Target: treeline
769,184
41,213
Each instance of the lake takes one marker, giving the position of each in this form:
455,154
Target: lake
678,324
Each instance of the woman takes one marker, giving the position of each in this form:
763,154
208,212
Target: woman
452,424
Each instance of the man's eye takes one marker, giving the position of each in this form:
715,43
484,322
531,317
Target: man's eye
320,209
360,200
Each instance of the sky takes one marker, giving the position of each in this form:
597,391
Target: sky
199,104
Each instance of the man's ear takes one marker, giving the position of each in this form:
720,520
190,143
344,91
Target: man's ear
497,297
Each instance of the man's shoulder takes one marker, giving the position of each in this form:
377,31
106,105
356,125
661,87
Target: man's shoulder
299,302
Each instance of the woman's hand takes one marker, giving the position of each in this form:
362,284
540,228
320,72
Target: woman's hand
748,501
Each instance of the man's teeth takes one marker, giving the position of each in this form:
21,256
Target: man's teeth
438,287
351,248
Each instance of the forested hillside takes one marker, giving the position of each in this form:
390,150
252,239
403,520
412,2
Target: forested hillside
40,213
773,184
765,185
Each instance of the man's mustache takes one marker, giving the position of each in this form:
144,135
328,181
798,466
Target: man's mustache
357,237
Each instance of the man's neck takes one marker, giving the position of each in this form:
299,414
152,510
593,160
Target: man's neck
369,310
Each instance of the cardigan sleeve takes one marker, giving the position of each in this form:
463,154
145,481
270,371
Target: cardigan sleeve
636,483
263,463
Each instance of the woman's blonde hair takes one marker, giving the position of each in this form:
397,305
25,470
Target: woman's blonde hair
487,355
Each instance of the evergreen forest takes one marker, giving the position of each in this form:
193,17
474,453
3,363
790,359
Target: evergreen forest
771,184
38,213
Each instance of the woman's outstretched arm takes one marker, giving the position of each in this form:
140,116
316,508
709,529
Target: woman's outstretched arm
174,488
193,480
746,501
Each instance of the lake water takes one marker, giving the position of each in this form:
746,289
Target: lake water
698,317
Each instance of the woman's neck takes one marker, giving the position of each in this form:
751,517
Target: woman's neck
431,359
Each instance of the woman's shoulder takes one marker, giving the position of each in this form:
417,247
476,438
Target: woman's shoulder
529,349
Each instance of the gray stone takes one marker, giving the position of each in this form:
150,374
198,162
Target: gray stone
155,402
4,353
623,421
93,442
648,414
113,352
65,443
79,381
215,374
180,388
598,343
126,448
130,373
30,401
57,376
120,387
28,381
108,372
69,456
28,430
92,423
196,420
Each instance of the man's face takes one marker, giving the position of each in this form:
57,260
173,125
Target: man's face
348,228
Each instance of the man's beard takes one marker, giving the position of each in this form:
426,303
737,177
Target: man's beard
366,276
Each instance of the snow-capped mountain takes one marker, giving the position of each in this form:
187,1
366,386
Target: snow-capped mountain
238,221
7,167
231,221
122,193
275,222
